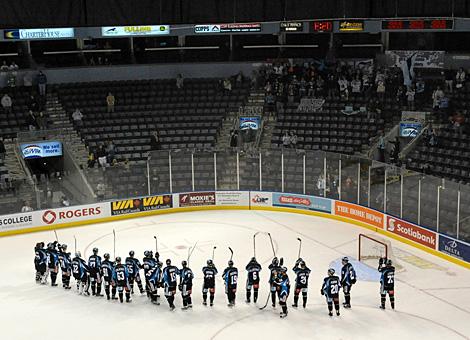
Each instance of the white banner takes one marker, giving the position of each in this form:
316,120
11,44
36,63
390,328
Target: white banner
310,105
261,199
232,198
424,59
39,33
124,31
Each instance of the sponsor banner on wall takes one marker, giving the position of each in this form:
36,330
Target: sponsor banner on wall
351,26
227,28
73,214
129,206
156,202
423,59
358,213
16,221
412,232
261,199
195,199
455,248
41,149
125,31
39,33
250,123
302,202
232,198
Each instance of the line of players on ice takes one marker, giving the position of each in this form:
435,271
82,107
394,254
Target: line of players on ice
118,276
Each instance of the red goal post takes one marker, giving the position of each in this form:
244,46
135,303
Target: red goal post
371,248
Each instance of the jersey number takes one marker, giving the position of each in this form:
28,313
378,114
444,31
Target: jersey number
120,276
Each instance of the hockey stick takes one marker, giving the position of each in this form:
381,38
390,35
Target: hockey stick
56,237
267,301
75,242
272,244
231,253
114,241
191,250
300,246
254,244
213,252
156,244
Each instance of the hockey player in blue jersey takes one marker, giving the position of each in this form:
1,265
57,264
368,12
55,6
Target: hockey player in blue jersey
133,266
275,268
170,274
186,285
107,273
330,289
209,272
230,277
283,289
348,278
252,281
301,282
65,262
387,282
52,262
153,278
148,262
121,278
94,262
80,272
40,262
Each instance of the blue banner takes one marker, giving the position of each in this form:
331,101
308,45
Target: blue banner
252,123
454,248
302,202
41,149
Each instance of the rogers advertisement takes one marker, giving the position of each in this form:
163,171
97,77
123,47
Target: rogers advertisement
66,215
412,232
195,199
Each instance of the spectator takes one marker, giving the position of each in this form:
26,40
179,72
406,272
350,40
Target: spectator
13,73
460,78
239,79
449,80
420,89
100,191
26,207
28,80
32,121
381,90
458,121
343,88
437,96
91,159
321,186
110,101
356,86
332,86
227,85
7,103
77,117
42,121
3,151
395,150
111,152
64,201
410,96
400,96
154,181
234,138
102,156
286,140
4,74
293,140
154,141
179,81
42,83
432,138
381,148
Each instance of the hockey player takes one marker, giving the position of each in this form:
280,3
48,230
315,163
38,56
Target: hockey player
253,268
230,277
52,262
154,279
148,262
94,262
282,282
301,282
80,272
107,272
133,266
330,289
275,269
387,282
65,262
40,262
348,278
209,271
186,285
170,274
121,278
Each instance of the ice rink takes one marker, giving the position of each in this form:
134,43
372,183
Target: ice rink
433,295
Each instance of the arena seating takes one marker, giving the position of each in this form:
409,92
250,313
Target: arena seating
14,122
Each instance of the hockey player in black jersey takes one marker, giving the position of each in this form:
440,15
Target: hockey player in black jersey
154,279
133,266
170,274
52,262
94,262
282,284
330,289
80,272
209,271
65,262
275,269
186,285
301,282
230,277
348,278
121,277
253,268
107,272
148,262
387,282
40,262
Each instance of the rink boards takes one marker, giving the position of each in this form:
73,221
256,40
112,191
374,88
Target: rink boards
427,240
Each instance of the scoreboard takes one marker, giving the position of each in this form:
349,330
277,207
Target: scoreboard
418,25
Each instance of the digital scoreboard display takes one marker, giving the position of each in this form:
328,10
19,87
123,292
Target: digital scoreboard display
418,24
322,26
291,26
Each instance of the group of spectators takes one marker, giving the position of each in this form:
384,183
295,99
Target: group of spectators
104,156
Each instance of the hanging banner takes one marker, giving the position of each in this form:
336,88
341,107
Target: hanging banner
125,31
39,33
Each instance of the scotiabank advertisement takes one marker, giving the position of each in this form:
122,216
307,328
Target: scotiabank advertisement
412,232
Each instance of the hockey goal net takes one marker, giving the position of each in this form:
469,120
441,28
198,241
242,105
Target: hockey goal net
372,248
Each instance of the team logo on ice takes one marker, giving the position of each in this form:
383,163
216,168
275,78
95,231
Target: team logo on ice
49,217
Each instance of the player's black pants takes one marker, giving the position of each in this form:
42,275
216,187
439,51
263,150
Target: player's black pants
283,302
255,291
211,290
297,291
273,294
40,272
186,294
121,288
383,297
170,295
107,284
333,299
95,280
66,278
137,279
347,294
231,294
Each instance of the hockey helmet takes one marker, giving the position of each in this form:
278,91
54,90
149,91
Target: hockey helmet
131,253
302,264
210,263
78,254
230,263
95,251
345,259
168,262
184,264
331,272
389,262
41,244
50,246
253,259
106,256
118,259
160,264
146,253
64,247
275,261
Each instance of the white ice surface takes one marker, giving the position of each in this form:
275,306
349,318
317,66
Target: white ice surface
431,303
